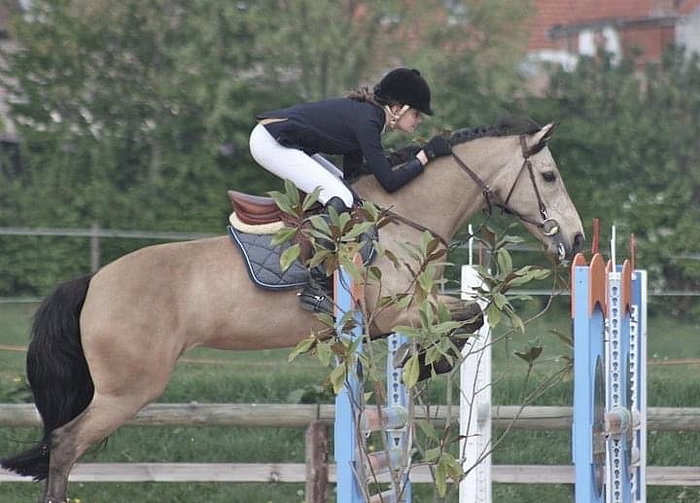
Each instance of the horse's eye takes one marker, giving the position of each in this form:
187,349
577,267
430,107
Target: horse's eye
549,176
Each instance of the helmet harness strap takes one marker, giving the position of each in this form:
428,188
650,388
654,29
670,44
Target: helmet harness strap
395,117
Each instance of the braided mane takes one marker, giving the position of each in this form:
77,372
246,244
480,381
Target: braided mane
506,126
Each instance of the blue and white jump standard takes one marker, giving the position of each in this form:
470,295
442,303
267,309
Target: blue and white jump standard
609,430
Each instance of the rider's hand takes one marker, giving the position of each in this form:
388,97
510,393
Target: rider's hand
437,147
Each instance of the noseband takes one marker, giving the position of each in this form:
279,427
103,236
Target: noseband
549,226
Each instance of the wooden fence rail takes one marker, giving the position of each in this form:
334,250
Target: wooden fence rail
300,416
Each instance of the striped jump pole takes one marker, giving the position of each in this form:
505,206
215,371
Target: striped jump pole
348,403
354,422
609,430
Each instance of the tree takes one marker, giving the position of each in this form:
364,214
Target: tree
137,114
629,149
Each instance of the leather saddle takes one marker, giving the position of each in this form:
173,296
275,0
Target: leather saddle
252,228
254,210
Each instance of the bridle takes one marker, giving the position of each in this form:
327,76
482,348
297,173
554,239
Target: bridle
549,226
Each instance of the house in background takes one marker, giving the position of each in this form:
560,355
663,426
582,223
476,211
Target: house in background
563,30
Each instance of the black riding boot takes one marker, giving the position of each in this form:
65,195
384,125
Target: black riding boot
366,238
317,296
339,206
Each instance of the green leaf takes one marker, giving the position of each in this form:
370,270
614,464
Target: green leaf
411,372
493,314
432,455
428,429
426,315
504,260
516,321
321,225
452,466
436,255
425,282
357,230
292,192
337,378
283,235
289,256
324,353
509,240
319,257
374,272
540,274
403,301
310,199
441,478
443,312
302,347
500,300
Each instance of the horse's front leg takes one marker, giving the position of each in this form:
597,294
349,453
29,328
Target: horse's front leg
468,312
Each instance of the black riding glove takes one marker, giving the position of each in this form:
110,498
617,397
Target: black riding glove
437,147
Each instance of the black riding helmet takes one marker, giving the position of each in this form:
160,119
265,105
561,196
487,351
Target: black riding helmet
405,86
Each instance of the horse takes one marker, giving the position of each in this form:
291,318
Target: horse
103,346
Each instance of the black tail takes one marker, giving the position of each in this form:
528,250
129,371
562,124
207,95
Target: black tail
57,371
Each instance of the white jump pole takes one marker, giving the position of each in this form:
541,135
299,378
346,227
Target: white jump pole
475,399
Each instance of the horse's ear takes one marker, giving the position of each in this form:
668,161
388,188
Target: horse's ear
545,133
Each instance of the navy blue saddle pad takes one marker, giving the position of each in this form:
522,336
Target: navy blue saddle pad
263,262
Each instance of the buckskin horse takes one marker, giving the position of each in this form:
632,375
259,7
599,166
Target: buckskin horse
103,346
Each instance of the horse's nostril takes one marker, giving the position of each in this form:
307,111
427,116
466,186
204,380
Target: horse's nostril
578,243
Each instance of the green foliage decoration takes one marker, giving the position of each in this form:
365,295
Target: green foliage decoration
336,348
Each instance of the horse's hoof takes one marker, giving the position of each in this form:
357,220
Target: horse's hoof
472,316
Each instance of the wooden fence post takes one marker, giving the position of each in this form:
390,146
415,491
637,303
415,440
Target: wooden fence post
317,462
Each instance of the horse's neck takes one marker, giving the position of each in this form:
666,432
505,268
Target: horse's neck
444,197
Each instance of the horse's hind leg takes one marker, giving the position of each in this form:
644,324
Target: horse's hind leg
105,414
117,399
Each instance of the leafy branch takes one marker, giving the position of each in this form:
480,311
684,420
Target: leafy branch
430,340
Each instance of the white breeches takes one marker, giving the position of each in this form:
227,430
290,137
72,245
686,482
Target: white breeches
304,171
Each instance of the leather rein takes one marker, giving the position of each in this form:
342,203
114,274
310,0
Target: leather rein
549,226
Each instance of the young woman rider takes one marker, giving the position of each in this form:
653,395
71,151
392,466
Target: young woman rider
288,142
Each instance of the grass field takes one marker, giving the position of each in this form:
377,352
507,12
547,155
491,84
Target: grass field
265,376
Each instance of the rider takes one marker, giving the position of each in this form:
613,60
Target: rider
288,142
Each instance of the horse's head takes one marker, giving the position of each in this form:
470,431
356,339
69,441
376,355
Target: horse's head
514,171
531,188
